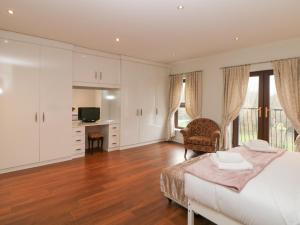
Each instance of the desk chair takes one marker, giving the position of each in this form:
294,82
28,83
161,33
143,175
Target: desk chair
95,136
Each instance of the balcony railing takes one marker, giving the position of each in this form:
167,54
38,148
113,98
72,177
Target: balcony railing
281,132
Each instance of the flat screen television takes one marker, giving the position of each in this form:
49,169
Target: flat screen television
88,114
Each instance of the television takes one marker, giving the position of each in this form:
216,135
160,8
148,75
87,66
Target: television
88,114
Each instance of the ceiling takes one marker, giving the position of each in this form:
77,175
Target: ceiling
155,29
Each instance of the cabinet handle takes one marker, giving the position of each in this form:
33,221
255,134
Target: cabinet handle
141,112
78,149
156,111
78,131
100,75
43,117
96,75
114,143
36,117
137,112
78,140
114,135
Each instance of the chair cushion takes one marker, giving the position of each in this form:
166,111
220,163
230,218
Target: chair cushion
199,140
95,135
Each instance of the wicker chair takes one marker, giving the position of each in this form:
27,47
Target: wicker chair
201,135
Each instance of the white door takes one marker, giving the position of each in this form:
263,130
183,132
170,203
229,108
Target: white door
130,103
55,103
162,93
19,130
147,92
110,71
85,68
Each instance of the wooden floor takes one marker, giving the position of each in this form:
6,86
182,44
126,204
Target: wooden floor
120,187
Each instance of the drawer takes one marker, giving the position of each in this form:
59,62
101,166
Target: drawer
114,141
79,131
78,140
79,149
114,128
114,144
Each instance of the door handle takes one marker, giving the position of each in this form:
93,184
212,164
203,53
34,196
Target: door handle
259,112
267,110
43,117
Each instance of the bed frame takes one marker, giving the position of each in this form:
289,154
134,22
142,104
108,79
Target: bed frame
208,213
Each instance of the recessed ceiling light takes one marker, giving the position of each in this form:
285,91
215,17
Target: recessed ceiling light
236,38
5,41
10,11
179,7
117,39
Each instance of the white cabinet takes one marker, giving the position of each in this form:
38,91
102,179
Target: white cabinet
113,136
19,102
78,136
55,103
144,103
35,104
90,70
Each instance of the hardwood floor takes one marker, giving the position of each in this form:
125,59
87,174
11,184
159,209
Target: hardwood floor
120,187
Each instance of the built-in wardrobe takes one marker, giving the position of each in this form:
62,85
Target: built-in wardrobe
35,101
144,99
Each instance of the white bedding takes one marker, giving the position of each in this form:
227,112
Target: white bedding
271,198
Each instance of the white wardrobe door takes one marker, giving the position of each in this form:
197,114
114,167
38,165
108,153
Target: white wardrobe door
55,103
110,71
147,87
162,93
19,130
85,68
130,103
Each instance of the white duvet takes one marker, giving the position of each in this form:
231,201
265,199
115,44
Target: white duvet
271,198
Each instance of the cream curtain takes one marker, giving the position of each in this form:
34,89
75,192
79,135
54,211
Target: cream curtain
235,89
193,96
174,102
287,80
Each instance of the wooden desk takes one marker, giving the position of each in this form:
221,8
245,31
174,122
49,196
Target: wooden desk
109,128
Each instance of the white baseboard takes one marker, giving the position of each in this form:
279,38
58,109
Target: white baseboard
32,165
141,144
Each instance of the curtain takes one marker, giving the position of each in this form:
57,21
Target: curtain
193,96
287,80
235,90
174,102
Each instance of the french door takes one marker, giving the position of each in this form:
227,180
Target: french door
262,116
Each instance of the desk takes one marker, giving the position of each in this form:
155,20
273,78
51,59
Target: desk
109,128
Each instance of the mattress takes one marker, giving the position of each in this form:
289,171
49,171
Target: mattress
272,197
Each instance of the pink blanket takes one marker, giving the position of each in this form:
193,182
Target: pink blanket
235,180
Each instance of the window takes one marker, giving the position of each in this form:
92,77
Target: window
181,117
262,116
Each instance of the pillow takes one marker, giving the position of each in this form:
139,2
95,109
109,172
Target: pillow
259,145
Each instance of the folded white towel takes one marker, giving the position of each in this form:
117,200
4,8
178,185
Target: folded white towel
229,157
244,165
259,145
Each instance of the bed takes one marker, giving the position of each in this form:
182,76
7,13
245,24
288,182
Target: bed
272,197
172,182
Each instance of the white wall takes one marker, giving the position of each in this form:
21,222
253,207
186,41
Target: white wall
212,74
213,77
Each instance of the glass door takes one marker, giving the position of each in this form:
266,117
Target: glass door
262,116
